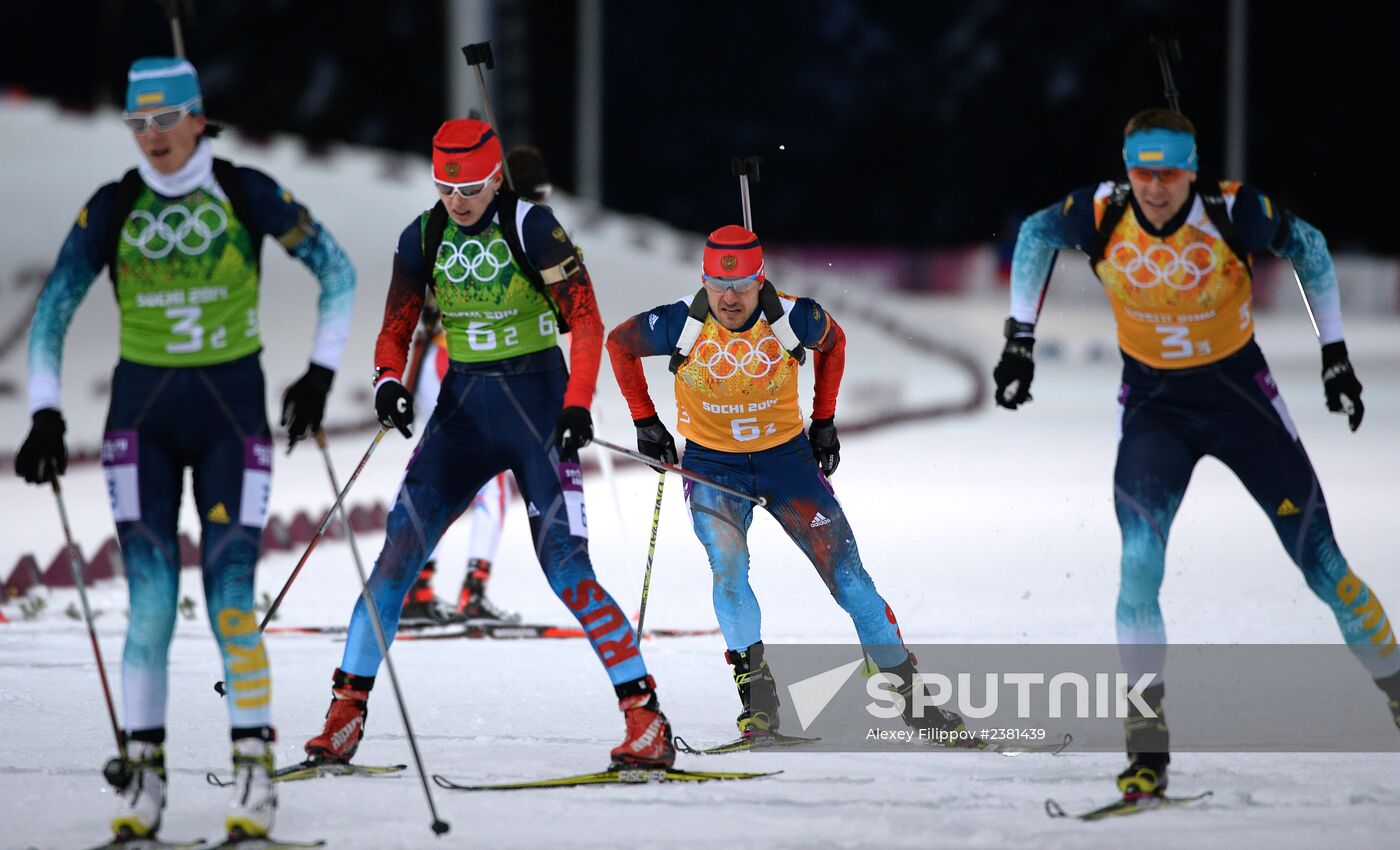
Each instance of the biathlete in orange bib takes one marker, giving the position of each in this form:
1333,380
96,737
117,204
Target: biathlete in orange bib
1173,254
735,348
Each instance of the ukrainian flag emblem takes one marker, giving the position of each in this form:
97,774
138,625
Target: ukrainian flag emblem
1148,155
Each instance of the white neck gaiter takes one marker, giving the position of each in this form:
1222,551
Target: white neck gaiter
197,172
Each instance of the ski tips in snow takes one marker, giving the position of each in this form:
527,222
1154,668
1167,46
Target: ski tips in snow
231,843
624,776
748,744
249,843
1127,805
1011,750
314,770
134,843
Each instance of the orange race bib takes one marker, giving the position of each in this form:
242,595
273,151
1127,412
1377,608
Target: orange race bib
1181,301
737,392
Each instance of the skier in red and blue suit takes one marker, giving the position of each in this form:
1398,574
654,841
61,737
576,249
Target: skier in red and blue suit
735,349
504,273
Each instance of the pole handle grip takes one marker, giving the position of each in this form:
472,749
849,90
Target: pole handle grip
746,166
479,53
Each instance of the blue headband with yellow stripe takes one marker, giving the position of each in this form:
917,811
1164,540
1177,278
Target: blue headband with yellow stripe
163,81
1159,148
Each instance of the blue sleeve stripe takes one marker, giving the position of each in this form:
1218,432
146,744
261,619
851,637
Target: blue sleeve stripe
1307,248
328,261
1039,238
63,291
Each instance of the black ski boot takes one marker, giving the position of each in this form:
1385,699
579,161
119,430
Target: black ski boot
758,693
1148,749
937,725
421,606
472,603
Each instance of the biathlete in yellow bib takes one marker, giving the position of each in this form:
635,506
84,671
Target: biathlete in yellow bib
1173,254
735,349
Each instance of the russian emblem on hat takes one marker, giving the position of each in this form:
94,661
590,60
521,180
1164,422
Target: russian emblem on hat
733,251
465,150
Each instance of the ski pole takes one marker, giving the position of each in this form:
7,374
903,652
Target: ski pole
315,538
479,54
745,167
439,826
661,464
651,550
177,37
1169,50
117,771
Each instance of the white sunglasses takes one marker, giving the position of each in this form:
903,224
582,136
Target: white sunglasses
466,190
164,120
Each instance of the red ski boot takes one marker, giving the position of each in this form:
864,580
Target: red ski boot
648,742
345,720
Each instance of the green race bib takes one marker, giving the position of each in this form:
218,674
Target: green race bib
187,282
490,310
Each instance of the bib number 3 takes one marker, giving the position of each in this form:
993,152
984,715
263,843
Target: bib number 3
186,325
1177,343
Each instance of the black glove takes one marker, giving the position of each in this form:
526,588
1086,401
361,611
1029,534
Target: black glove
43,457
393,404
825,447
1339,384
304,403
574,430
1014,373
654,441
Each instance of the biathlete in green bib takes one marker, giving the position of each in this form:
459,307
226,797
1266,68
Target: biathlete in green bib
181,235
508,281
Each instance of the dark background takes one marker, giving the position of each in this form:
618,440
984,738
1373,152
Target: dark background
900,124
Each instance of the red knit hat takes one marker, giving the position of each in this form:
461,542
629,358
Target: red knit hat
465,151
733,251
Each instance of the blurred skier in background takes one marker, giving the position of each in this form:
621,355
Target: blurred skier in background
426,373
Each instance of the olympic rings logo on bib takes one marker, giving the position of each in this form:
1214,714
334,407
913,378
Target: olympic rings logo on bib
739,355
192,233
459,262
1160,263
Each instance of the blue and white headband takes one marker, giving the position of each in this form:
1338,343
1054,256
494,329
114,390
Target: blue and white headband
163,81
1159,148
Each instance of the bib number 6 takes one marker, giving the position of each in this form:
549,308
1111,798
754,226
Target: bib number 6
744,429
481,337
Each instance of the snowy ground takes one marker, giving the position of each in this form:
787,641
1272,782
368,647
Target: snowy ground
992,527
